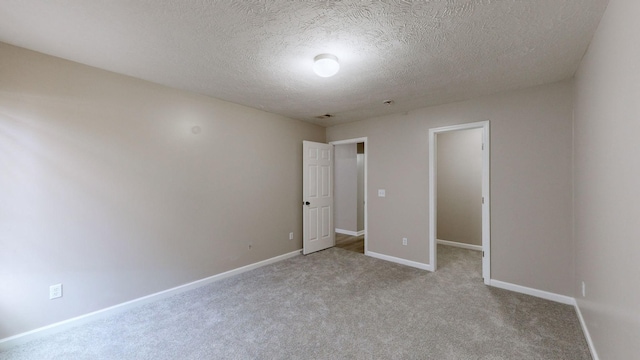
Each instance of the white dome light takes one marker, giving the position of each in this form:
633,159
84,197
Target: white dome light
326,65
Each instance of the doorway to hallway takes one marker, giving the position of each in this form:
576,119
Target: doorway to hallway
350,217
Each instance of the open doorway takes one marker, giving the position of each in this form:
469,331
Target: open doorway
459,191
349,194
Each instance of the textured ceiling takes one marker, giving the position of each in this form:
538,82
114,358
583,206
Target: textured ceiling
260,53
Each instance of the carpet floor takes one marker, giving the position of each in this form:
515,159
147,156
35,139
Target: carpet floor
334,304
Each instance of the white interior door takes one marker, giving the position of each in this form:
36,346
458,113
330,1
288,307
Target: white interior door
317,197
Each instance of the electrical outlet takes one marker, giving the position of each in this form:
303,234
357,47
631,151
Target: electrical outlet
404,241
55,291
584,289
382,193
290,236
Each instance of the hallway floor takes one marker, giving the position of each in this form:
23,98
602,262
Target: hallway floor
351,243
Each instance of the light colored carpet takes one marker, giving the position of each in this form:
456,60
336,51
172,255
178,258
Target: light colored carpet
335,304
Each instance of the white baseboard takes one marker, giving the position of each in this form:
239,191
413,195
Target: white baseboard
360,233
347,232
82,319
394,259
459,244
533,292
585,330
553,297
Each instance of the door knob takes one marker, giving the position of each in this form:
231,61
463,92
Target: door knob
307,203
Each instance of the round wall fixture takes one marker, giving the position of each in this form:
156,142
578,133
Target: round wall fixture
326,65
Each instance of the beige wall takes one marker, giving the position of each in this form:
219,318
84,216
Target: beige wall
459,169
106,189
345,187
531,183
607,178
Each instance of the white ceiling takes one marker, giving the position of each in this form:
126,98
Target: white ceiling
259,53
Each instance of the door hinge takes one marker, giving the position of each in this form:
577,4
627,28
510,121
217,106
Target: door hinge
482,253
483,199
482,146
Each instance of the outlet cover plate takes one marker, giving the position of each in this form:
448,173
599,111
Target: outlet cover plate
55,291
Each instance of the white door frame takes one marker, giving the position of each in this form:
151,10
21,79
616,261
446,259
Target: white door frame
366,203
486,199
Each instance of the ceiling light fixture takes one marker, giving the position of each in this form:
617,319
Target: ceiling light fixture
326,65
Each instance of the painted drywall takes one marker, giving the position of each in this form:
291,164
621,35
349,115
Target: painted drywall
531,181
607,173
459,182
119,188
346,187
